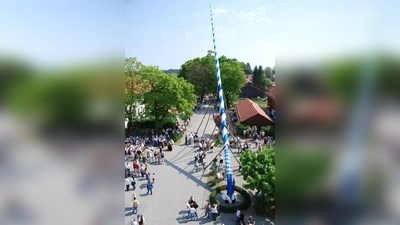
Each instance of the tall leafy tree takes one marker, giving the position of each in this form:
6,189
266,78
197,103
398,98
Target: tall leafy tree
232,80
248,69
199,76
202,74
134,88
168,96
258,170
268,72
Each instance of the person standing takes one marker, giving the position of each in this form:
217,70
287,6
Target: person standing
227,199
128,169
136,167
149,187
135,205
234,199
217,204
127,183
162,157
142,170
196,165
192,213
188,209
214,212
140,219
133,182
208,210
154,177
221,159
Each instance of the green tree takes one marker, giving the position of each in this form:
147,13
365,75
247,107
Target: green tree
258,77
232,80
199,76
134,88
248,69
268,72
168,96
267,82
202,74
258,170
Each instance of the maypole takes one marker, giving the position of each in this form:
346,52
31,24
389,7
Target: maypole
230,185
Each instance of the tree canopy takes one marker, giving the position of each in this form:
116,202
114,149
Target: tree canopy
258,170
248,69
165,96
202,74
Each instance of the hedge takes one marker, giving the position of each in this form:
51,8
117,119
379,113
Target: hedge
223,208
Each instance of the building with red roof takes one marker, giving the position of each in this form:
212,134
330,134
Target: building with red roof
250,113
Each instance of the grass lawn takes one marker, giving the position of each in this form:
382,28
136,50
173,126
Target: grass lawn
262,104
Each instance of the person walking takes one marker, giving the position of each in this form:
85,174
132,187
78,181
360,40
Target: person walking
135,205
241,216
149,187
154,177
127,183
238,216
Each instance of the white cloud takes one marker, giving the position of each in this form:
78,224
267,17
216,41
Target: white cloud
220,11
260,19
248,17
224,34
262,10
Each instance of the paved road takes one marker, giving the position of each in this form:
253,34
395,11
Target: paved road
176,182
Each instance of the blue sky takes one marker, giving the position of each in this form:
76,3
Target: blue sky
54,33
168,33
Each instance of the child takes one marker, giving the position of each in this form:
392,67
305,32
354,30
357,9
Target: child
208,210
154,177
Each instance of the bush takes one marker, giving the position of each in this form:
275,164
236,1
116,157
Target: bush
240,127
263,204
269,130
176,136
223,208
218,142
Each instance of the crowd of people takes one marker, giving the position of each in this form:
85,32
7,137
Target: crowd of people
143,150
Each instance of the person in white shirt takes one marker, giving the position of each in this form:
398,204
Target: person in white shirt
234,199
227,199
214,212
127,183
192,213
128,169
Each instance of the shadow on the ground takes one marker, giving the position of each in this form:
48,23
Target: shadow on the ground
128,211
188,150
188,174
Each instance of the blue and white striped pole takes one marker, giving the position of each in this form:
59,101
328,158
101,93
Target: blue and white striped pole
230,186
